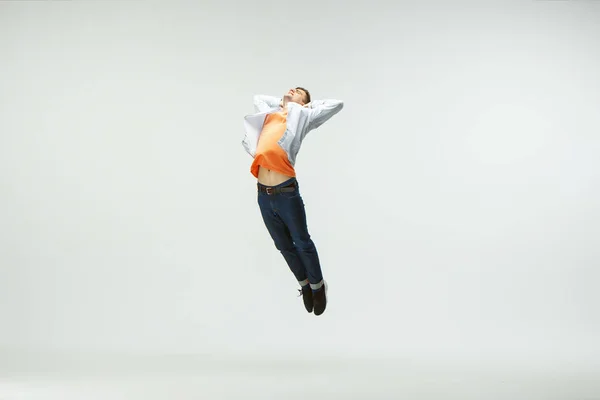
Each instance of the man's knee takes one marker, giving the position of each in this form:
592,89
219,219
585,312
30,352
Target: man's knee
284,245
304,244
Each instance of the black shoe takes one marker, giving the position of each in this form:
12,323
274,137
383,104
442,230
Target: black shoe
307,296
320,299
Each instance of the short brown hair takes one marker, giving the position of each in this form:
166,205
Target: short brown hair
307,96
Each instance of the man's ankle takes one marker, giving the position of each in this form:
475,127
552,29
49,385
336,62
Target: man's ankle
316,286
303,283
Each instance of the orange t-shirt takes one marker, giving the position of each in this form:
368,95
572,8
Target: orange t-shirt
269,153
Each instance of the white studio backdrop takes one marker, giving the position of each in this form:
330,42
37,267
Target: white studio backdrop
454,201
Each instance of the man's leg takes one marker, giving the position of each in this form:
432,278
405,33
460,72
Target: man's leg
293,214
283,242
281,238
292,211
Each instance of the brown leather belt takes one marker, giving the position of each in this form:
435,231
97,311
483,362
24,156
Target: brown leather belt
274,190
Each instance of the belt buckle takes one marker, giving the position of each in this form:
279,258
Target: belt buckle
269,190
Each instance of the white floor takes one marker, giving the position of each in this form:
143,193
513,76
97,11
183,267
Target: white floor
214,378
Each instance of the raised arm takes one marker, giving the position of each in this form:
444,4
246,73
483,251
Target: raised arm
264,103
323,110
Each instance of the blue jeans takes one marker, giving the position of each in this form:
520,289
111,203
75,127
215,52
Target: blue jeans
285,219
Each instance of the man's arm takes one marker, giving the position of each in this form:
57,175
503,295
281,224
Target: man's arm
322,110
264,103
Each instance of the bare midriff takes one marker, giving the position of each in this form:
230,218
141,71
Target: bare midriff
269,177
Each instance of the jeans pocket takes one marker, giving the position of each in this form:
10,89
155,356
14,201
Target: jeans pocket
294,196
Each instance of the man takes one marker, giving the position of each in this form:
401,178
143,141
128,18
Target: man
273,138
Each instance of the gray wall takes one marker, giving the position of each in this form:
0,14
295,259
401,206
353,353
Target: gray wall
454,201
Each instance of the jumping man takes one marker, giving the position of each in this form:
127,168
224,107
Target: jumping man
273,138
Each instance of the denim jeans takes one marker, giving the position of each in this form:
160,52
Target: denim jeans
285,219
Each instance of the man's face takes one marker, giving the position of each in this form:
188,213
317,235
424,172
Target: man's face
296,95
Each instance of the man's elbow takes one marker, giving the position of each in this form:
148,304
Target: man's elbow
337,105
